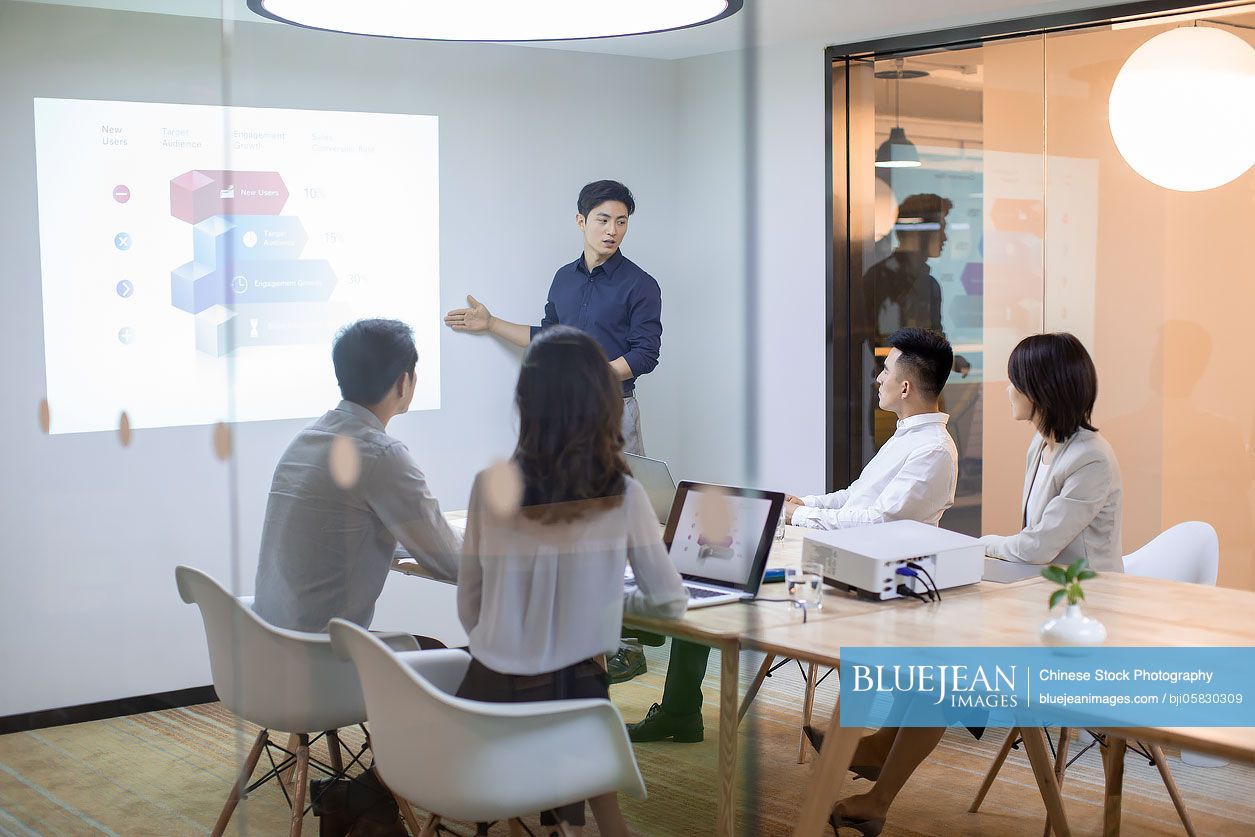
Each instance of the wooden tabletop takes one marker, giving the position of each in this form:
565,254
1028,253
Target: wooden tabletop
1136,611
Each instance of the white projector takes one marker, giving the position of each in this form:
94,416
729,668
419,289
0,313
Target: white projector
867,558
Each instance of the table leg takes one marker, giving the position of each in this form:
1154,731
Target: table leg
1113,768
1043,770
827,776
729,674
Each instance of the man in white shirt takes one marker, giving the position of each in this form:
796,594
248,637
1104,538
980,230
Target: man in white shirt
331,528
912,477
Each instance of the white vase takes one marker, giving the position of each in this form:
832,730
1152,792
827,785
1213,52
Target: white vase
1073,628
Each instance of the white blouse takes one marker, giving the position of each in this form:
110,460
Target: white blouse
537,597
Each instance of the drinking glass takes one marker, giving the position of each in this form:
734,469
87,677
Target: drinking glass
806,585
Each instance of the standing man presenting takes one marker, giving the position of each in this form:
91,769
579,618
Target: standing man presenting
602,293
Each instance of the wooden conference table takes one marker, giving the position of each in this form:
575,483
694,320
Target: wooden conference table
1137,612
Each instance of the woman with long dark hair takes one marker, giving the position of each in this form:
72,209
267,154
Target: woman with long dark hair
540,587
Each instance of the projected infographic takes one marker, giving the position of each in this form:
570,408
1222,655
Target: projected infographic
197,260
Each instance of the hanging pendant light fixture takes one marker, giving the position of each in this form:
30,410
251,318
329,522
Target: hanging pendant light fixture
1182,108
897,152
495,20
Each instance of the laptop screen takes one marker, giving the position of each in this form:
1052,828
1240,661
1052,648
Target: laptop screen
655,478
722,535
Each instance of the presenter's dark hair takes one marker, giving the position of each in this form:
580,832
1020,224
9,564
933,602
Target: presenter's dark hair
570,449
1057,374
600,191
927,357
370,356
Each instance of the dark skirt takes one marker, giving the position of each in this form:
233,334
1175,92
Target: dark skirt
587,679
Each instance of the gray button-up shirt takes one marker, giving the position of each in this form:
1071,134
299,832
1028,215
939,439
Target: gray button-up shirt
326,550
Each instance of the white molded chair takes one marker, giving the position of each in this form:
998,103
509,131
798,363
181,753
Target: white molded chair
1187,552
497,761
280,680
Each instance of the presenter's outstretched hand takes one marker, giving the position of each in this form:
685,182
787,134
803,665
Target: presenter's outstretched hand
475,318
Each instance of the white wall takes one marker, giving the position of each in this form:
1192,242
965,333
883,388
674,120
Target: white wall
91,531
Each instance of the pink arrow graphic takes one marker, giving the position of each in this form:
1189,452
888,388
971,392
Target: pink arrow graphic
203,193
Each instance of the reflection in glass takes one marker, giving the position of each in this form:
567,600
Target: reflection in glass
1025,217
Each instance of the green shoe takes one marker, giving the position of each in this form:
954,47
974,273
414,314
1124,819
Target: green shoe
659,725
626,664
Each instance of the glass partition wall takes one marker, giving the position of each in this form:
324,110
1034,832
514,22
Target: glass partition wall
978,189
197,200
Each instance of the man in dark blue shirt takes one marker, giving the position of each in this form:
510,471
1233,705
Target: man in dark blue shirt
603,293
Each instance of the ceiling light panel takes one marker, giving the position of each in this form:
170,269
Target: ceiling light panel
495,20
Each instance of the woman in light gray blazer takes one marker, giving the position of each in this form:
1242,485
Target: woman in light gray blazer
1072,499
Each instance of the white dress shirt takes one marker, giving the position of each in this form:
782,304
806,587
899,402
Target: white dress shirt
912,477
537,597
326,550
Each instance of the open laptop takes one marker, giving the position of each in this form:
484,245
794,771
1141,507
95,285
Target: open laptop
729,566
655,477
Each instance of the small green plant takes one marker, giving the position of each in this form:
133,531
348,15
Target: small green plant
1069,581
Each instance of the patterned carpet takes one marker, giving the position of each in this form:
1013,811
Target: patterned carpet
167,773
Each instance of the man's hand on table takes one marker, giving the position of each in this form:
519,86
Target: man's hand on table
791,504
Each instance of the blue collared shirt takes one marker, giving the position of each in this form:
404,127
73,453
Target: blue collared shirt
618,304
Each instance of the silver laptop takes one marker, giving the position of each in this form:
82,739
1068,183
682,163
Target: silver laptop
655,477
729,566
1008,572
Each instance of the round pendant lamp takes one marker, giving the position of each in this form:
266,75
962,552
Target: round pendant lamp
1182,109
495,20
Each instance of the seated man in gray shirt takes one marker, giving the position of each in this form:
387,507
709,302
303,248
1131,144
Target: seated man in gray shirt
330,531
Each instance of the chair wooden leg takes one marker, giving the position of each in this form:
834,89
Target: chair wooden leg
246,772
1012,735
1168,782
334,757
1113,769
285,775
1061,765
403,805
808,706
516,828
429,830
407,814
752,692
1039,757
300,784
